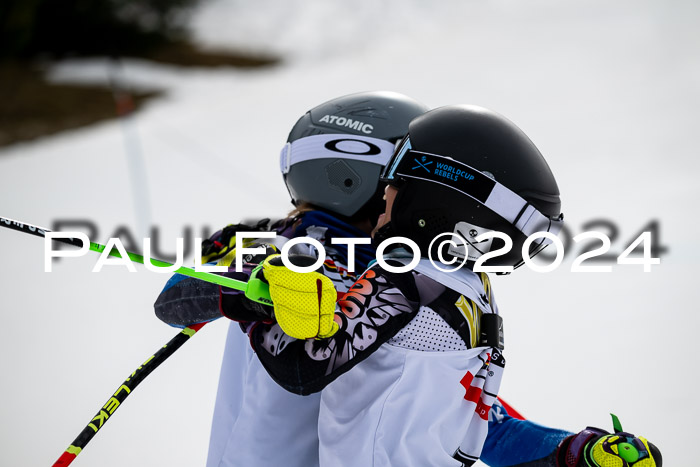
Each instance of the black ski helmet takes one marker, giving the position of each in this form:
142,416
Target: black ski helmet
336,151
467,170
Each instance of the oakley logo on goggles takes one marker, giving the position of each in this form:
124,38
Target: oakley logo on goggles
335,146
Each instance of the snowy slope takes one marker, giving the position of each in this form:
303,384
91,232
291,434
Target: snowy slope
608,92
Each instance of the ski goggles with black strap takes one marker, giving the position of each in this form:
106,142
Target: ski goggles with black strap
407,163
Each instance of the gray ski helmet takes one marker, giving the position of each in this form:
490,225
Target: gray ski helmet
336,151
467,170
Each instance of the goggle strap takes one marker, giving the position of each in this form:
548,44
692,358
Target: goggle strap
500,199
335,146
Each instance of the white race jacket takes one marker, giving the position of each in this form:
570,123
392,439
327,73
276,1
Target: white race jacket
391,393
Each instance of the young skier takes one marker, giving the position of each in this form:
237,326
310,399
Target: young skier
410,362
331,166
189,302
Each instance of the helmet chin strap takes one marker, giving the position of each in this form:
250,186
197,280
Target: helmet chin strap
383,233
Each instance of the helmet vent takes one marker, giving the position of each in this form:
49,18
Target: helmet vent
342,177
437,222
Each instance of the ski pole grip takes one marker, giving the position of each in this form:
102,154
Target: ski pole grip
258,290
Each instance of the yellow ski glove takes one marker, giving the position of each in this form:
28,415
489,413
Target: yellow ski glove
594,447
304,302
622,450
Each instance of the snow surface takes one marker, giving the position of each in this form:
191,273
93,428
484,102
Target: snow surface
609,91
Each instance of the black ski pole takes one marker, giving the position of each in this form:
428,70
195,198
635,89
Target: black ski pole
123,392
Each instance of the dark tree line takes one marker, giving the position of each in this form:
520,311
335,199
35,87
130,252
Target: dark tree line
58,28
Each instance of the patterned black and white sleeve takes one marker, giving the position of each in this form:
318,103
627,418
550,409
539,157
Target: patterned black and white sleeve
371,312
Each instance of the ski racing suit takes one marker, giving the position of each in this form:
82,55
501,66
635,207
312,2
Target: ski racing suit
406,380
256,422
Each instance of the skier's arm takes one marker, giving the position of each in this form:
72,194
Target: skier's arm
512,441
185,301
520,443
367,316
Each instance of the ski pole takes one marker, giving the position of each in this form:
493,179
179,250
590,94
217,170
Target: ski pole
123,392
255,289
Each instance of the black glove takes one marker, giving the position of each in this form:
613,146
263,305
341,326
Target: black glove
233,303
